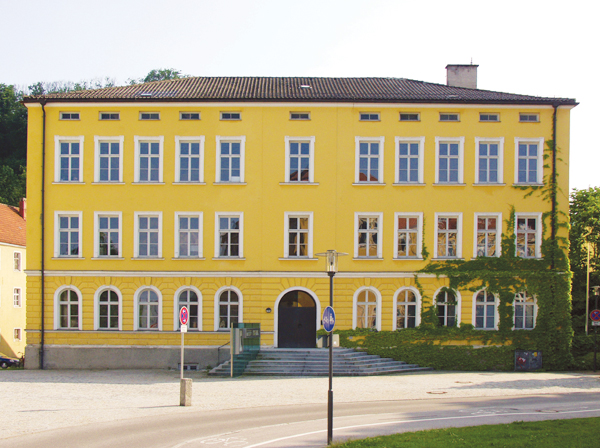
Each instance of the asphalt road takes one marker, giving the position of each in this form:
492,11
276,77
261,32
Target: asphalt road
305,425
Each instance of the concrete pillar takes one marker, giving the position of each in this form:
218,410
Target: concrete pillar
185,392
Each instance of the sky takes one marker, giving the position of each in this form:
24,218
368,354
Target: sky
544,48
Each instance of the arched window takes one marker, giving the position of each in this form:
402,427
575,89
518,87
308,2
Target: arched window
67,310
107,309
486,310
447,303
191,298
367,309
406,308
147,313
525,310
228,308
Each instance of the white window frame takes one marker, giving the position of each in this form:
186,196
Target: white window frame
379,216
118,114
489,114
176,322
97,216
378,302
500,142
219,215
461,161
309,241
498,217
302,116
136,308
371,116
17,298
538,231
311,161
529,114
241,139
63,116
70,214
149,119
17,334
57,294
449,114
357,141
421,158
97,295
58,139
101,139
535,311
18,258
200,216
217,308
415,291
189,119
183,139
419,216
458,305
474,311
418,114
136,229
222,118
540,160
137,139
459,226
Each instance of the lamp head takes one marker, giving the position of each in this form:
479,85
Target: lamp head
596,290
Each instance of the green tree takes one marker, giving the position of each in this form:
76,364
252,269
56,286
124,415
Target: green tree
12,185
160,74
13,128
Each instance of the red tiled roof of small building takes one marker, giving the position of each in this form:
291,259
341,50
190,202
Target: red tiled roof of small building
12,226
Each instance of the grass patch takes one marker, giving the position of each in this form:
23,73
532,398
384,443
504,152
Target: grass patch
574,433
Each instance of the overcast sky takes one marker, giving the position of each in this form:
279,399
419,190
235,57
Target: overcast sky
545,48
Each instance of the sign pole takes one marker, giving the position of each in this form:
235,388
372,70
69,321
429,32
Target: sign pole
185,384
181,370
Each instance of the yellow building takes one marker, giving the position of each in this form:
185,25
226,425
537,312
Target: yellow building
12,280
218,193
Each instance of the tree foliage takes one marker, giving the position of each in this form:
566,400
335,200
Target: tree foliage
160,74
13,128
12,185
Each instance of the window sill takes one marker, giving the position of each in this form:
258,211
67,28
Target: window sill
298,259
189,183
298,183
188,258
448,258
488,184
67,183
108,258
368,184
107,183
408,258
229,258
147,183
368,258
449,184
408,184
516,184
229,183
68,258
147,258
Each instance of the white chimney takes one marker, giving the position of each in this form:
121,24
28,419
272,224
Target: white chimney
461,75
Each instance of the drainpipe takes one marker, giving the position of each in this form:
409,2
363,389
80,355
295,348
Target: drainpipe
43,289
554,187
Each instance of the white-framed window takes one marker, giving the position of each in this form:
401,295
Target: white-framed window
367,235
229,234
148,234
409,160
189,159
410,116
188,234
447,303
17,261
489,160
150,116
67,234
408,229
525,311
107,234
189,115
300,116
488,231
68,160
228,307
370,116
148,159
67,308
17,297
485,311
449,155
147,312
109,116
447,116
191,297
231,116
528,231
298,235
108,166
525,117
230,159
489,117
17,334
299,159
529,160
448,235
69,115
108,308
367,308
369,160
407,308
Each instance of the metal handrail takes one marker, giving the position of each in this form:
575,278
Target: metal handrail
219,352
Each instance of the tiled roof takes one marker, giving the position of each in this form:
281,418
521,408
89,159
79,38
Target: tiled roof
12,226
378,90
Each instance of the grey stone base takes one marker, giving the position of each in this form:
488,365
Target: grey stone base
122,357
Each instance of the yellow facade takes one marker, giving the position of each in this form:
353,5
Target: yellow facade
263,273
12,300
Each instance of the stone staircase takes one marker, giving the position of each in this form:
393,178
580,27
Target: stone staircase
315,362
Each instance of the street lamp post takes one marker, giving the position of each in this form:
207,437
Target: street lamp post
596,292
332,268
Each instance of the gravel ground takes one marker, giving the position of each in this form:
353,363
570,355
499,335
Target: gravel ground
35,400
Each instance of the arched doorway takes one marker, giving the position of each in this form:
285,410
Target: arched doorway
297,320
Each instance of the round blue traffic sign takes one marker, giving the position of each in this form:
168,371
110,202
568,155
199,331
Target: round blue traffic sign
328,319
595,315
184,315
